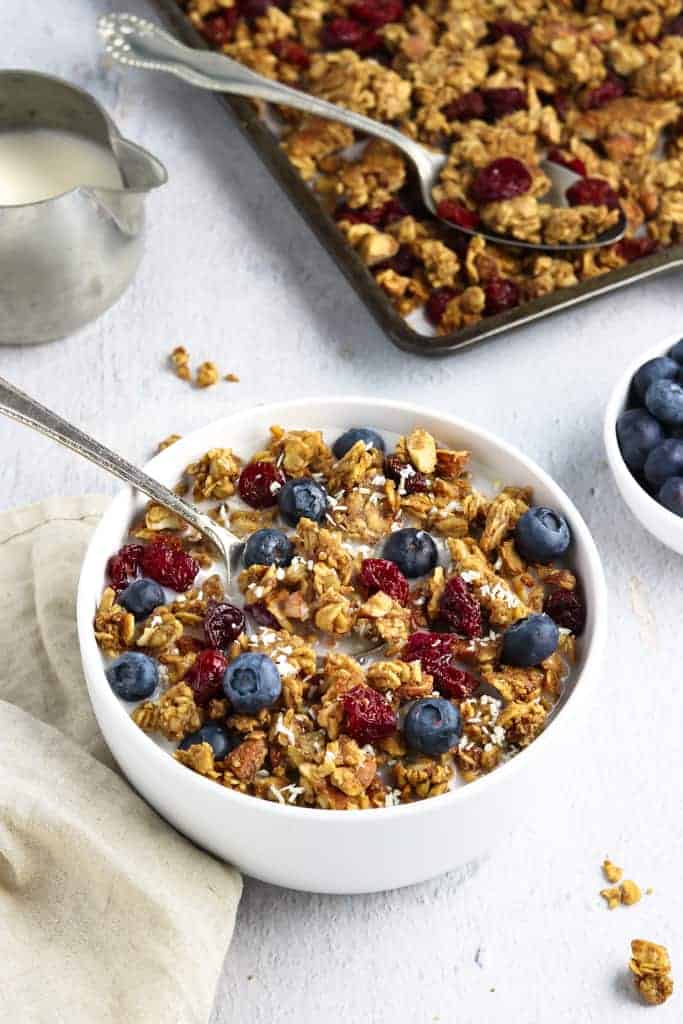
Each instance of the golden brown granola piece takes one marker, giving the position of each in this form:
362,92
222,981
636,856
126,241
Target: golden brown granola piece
167,442
177,713
180,360
384,618
114,626
651,967
245,760
215,474
522,722
160,631
421,448
611,872
422,777
199,757
207,375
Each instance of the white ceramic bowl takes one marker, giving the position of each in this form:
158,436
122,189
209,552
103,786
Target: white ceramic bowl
663,524
340,851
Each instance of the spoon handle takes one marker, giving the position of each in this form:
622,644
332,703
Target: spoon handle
21,407
136,42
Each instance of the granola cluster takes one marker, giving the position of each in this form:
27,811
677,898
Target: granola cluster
651,969
595,86
356,644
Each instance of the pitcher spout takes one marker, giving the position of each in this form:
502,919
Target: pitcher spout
141,172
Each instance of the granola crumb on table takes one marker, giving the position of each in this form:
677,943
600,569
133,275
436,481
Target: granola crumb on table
597,88
331,735
651,968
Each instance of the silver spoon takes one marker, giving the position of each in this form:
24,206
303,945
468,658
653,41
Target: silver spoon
138,43
21,407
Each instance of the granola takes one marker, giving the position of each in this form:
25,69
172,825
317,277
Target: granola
651,969
597,88
337,730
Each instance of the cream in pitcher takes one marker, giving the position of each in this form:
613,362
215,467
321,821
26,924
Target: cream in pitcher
38,164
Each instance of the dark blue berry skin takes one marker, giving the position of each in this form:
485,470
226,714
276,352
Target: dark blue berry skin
252,682
530,641
133,676
660,368
302,499
638,433
664,461
219,739
346,441
542,534
413,551
671,494
677,352
664,399
141,597
432,726
268,547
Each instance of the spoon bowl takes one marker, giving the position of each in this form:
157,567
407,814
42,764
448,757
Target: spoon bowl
138,43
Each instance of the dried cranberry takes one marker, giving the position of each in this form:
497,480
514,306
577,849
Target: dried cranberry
611,89
466,108
500,102
631,249
370,43
259,483
561,101
253,9
403,263
458,214
378,216
262,617
291,52
124,565
346,33
501,294
593,192
205,677
377,12
437,303
572,163
674,27
218,29
434,651
519,32
379,574
403,474
168,565
501,179
459,609
367,715
223,623
567,608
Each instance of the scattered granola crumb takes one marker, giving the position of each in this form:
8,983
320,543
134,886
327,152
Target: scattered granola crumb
627,894
167,442
611,872
207,375
180,358
630,893
649,891
612,897
232,378
651,967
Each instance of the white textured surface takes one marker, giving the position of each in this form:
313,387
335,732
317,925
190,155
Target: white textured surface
232,273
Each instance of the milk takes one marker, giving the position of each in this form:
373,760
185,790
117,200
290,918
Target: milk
42,163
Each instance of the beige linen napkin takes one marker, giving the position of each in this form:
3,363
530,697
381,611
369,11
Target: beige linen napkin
107,915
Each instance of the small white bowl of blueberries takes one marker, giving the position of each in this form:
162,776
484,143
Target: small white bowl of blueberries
644,440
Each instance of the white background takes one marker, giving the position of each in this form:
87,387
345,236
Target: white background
232,273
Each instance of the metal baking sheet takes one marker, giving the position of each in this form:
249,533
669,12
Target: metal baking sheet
401,333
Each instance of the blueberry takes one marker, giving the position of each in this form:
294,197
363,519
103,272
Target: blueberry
133,676
542,534
303,498
664,399
530,641
219,739
370,438
638,433
664,461
268,547
671,494
677,352
413,551
141,597
661,368
432,726
251,682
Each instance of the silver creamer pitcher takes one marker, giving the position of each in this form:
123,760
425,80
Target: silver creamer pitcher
64,260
